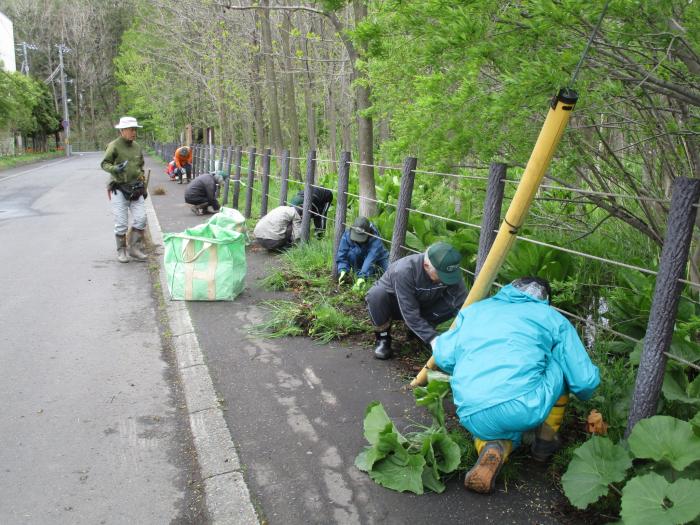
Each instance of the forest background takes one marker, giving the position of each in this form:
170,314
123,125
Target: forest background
459,84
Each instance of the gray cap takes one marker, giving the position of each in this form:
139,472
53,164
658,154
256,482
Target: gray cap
360,229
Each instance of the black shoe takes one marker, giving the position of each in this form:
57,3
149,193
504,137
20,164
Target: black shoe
383,348
543,449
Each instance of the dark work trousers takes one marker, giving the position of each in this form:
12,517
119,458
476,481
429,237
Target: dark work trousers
278,244
383,307
320,217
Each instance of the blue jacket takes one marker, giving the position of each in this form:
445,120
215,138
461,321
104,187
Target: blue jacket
509,346
366,258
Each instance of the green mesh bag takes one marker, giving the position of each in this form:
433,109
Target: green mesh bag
205,263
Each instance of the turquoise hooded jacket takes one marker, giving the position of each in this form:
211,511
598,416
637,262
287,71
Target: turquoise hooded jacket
510,357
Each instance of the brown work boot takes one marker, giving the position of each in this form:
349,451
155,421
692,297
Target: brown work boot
482,477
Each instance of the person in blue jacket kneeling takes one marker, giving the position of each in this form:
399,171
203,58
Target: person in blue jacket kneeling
361,251
513,360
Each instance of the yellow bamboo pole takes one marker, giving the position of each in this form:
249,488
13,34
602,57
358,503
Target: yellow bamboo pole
550,135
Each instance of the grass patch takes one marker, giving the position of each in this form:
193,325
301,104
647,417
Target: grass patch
12,161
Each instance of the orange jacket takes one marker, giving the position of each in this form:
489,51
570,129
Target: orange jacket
180,160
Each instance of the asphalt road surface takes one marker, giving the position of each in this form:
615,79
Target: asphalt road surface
92,425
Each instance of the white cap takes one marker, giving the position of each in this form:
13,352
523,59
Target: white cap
127,122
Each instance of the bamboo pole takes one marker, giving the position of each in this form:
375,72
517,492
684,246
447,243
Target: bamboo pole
550,135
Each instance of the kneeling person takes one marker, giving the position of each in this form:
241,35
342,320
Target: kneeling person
362,251
423,290
513,360
201,193
279,229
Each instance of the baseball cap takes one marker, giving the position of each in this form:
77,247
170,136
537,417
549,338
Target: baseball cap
445,259
360,229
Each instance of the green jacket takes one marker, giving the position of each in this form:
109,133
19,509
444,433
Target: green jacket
117,152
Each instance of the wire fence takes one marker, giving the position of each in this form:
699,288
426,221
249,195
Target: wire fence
207,158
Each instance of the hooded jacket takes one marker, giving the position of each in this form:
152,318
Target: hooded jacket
363,257
508,346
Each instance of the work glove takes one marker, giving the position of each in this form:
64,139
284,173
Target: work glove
121,166
359,285
342,277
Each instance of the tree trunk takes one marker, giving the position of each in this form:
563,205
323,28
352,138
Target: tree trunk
290,97
365,136
270,78
256,96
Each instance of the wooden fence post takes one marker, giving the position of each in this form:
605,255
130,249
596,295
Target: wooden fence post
306,217
491,218
237,177
265,182
664,305
251,181
341,210
284,176
227,174
408,175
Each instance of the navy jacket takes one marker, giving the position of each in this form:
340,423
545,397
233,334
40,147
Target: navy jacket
365,258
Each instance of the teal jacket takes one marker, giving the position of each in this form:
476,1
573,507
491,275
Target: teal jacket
508,346
117,152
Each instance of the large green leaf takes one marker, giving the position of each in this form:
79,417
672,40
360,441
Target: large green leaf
394,474
651,500
596,464
376,420
431,397
676,387
446,452
431,481
665,438
695,423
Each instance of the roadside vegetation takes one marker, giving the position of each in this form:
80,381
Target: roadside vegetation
11,161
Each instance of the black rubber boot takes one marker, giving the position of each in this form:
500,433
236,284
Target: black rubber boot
382,350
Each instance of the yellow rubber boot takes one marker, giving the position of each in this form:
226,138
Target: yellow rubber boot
492,455
546,438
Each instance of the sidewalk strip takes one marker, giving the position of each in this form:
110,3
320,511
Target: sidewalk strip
226,493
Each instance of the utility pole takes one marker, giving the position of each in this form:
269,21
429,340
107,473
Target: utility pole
64,97
24,68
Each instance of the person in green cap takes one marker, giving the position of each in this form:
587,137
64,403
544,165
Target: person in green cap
422,290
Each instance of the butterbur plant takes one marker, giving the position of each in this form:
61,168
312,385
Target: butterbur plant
415,461
655,472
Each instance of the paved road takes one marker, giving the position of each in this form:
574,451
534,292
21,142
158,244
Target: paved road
295,408
93,426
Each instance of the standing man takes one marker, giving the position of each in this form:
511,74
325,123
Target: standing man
123,160
513,360
423,290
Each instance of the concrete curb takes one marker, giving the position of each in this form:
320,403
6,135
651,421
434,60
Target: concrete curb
226,493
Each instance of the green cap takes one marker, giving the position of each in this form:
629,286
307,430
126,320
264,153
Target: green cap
297,200
445,259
